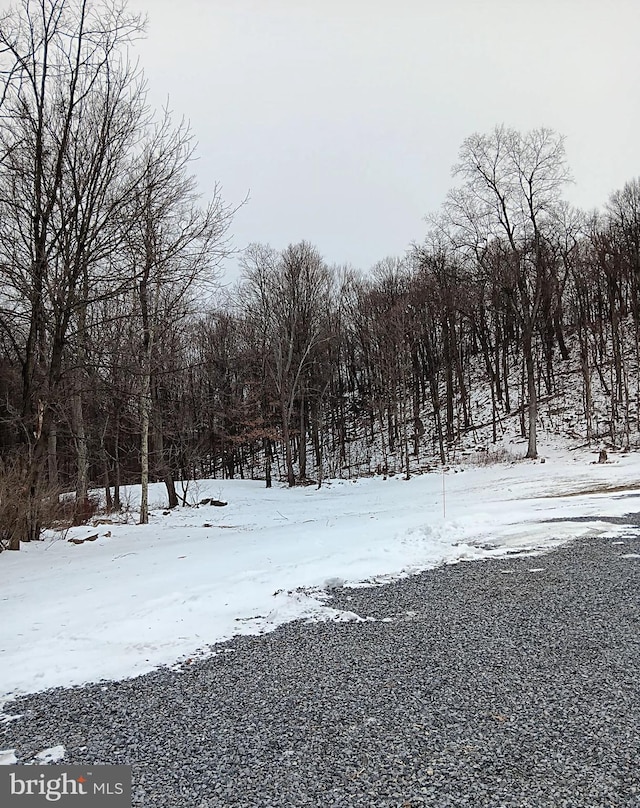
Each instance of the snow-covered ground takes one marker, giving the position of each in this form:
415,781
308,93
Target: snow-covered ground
143,596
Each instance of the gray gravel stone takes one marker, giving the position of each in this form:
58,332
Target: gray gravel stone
479,684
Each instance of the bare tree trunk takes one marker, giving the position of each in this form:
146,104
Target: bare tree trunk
30,495
405,430
117,476
82,458
588,398
318,440
108,499
505,375
435,401
637,390
286,439
303,441
267,461
145,413
532,448
494,431
161,463
52,456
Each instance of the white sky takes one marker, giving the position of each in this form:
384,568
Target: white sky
342,118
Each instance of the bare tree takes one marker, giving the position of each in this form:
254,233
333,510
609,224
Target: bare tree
286,295
71,104
510,194
174,247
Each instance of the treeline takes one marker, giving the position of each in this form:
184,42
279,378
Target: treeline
121,362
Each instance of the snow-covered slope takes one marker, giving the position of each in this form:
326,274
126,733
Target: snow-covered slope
142,596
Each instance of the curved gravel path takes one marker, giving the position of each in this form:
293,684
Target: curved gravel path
480,684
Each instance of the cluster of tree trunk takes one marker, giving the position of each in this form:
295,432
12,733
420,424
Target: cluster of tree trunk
119,365
102,241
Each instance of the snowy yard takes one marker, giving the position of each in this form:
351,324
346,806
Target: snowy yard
139,597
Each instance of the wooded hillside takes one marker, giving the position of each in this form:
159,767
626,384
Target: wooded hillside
122,361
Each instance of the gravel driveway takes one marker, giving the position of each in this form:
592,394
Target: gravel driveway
501,683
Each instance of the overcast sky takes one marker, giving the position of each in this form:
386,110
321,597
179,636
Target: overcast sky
342,118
